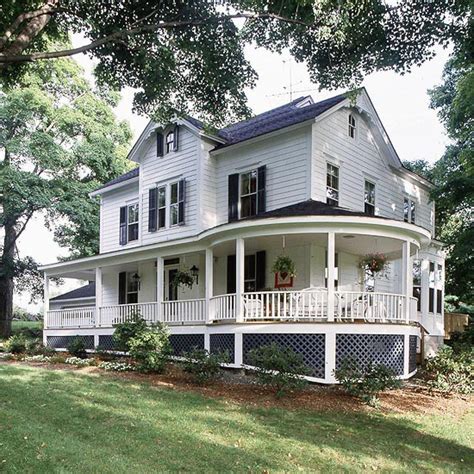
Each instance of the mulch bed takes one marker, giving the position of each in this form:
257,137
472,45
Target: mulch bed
240,388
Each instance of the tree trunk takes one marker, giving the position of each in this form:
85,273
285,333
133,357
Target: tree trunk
6,281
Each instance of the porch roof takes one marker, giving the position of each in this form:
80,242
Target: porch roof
86,291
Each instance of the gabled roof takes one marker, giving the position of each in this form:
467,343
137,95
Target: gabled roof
87,291
122,178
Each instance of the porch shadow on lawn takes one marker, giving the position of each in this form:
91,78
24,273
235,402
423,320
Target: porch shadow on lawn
66,421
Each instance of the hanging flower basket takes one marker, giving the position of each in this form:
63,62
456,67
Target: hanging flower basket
285,266
183,278
374,262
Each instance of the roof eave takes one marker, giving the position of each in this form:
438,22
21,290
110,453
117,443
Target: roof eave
113,187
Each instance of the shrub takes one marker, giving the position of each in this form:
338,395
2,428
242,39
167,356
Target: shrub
125,332
279,367
116,366
16,344
103,354
79,362
366,382
150,348
452,370
202,365
77,348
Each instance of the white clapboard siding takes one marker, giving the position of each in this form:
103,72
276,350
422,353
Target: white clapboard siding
359,159
287,159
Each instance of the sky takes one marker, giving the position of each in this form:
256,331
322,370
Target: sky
402,103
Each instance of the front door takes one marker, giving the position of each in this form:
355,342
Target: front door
171,291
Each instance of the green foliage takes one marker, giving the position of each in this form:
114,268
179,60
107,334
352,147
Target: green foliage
451,370
79,362
77,348
374,262
203,365
284,264
150,348
16,344
183,278
104,354
125,332
279,367
365,382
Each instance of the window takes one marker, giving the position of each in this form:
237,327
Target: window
369,198
248,193
161,207
409,210
250,273
417,282
352,126
132,222
336,270
177,202
332,185
439,290
132,288
170,142
431,290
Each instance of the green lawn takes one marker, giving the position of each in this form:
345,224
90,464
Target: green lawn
58,421
16,325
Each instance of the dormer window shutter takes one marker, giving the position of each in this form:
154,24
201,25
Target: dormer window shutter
159,144
123,226
261,196
233,193
152,209
181,201
176,138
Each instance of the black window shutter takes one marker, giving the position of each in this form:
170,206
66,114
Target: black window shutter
123,226
233,197
231,277
122,293
152,209
181,201
260,279
159,144
261,197
176,138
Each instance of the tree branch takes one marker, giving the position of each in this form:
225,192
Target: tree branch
119,35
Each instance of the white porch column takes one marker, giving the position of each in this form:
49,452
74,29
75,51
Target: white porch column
331,273
209,284
98,295
46,302
239,279
160,267
407,275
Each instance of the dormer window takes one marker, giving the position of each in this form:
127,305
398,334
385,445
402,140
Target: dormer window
170,142
369,198
352,126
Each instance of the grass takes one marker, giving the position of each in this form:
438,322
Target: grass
18,325
60,421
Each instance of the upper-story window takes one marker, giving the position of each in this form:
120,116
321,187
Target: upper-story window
161,207
409,210
248,193
169,142
352,128
332,185
369,198
129,223
177,202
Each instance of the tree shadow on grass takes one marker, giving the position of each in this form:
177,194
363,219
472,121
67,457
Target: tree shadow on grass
90,423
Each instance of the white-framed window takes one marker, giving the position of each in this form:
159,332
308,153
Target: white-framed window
132,288
161,207
169,142
417,282
439,289
369,198
431,288
351,126
332,185
132,222
409,210
248,190
177,203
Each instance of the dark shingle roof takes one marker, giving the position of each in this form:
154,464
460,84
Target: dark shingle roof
120,179
87,291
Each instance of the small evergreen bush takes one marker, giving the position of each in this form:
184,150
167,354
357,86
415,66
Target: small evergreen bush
203,365
16,344
125,332
366,382
279,367
77,348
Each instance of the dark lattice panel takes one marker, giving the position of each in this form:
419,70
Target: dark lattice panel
222,343
186,342
61,342
310,346
107,342
386,349
412,354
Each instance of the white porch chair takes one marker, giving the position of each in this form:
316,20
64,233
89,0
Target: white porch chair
306,306
253,308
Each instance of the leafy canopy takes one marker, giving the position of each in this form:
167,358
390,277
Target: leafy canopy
188,57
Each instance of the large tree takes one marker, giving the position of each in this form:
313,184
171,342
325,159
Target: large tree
60,139
188,57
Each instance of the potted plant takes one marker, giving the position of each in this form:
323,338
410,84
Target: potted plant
285,266
374,262
183,278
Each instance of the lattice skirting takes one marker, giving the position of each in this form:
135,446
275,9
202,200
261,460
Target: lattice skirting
181,343
223,343
412,354
107,342
310,346
61,342
383,349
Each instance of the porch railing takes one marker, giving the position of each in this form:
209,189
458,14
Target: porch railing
71,318
184,311
222,307
110,315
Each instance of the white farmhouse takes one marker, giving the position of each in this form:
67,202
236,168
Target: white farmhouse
318,183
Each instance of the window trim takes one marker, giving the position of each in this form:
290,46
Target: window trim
137,222
160,208
352,126
172,205
375,196
250,171
127,292
338,177
169,144
409,210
